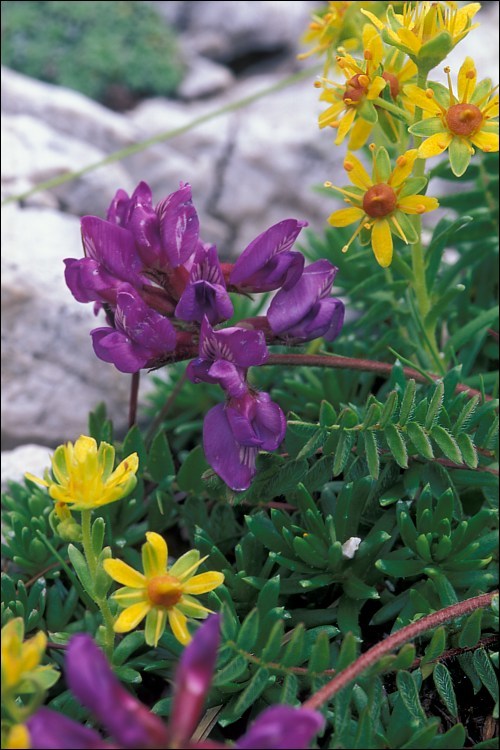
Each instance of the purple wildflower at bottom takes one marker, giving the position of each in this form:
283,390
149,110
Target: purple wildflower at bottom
233,434
132,725
141,335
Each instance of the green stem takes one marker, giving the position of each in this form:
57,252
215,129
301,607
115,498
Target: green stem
393,108
102,602
418,255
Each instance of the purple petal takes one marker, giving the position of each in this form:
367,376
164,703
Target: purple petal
121,206
245,348
258,268
292,305
147,328
91,680
234,464
282,728
50,729
201,299
88,281
112,247
115,347
324,319
179,227
193,679
255,420
145,228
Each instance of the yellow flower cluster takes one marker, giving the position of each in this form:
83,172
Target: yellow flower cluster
385,97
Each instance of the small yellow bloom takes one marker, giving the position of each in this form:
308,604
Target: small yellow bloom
160,594
18,738
427,31
83,475
382,203
457,123
351,107
21,660
325,31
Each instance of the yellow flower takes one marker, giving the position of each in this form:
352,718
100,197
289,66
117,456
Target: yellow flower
351,105
383,203
457,123
159,594
83,475
18,738
21,667
427,31
325,31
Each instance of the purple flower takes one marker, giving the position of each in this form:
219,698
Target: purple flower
306,311
225,356
122,207
179,230
234,433
141,335
132,725
205,293
110,259
267,263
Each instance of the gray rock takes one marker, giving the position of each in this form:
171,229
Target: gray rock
51,378
31,457
204,78
67,111
33,152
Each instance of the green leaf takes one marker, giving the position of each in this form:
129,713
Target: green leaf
294,650
420,440
254,690
134,443
348,652
444,686
388,409
249,631
468,450
320,655
344,445
435,406
409,695
273,643
447,443
483,666
231,671
471,630
160,461
98,529
478,325
81,568
189,477
408,403
397,445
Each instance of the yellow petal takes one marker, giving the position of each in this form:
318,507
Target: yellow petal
331,114
486,141
127,467
357,173
191,608
408,71
417,204
204,582
154,555
35,479
382,242
345,125
434,145
409,39
178,623
403,168
345,216
360,133
376,86
418,97
123,573
466,81
131,617
17,738
127,596
373,18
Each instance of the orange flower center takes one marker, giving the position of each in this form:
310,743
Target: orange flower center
380,200
355,88
164,591
464,119
393,82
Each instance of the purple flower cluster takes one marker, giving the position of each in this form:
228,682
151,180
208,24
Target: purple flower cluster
163,290
132,725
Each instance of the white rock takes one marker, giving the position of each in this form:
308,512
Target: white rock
350,547
204,78
31,457
51,378
33,152
66,111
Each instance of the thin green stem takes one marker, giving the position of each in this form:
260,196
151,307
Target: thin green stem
393,108
93,565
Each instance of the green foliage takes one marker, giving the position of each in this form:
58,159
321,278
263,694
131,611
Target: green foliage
114,52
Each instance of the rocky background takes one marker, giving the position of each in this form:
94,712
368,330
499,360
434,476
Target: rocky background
248,169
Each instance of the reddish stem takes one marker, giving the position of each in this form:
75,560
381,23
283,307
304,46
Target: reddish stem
409,633
364,365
